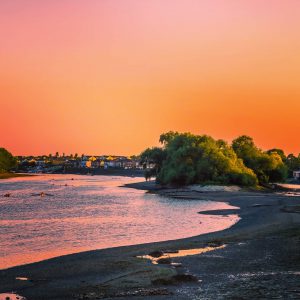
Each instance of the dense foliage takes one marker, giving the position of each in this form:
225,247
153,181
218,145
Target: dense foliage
185,158
268,166
7,161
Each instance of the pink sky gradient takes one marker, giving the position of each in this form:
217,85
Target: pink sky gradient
109,76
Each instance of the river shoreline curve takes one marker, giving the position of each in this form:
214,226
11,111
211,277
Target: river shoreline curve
260,259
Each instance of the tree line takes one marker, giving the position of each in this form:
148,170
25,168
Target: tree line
185,158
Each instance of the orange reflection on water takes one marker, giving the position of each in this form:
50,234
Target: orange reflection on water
181,253
92,212
11,296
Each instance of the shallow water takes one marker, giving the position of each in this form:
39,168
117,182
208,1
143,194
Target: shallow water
92,212
294,190
182,253
290,186
11,296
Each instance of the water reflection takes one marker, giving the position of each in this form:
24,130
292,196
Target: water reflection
11,296
92,212
180,253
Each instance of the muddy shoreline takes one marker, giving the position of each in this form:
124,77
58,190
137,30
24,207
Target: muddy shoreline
261,259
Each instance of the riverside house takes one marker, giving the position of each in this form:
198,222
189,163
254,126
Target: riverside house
45,164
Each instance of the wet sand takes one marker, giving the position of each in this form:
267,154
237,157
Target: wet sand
260,260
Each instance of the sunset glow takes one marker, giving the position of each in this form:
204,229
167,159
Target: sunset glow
108,77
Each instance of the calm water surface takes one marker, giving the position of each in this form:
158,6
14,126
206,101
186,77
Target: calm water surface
91,212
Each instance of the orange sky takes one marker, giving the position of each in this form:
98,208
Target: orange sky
109,76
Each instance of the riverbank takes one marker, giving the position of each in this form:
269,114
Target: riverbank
9,175
260,259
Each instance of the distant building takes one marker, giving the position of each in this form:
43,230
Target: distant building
296,174
51,163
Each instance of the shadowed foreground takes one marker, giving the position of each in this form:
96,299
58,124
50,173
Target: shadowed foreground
260,260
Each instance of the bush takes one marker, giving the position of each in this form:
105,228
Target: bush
7,161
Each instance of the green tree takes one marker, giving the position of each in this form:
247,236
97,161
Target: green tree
7,160
167,137
293,163
198,159
268,166
152,156
277,171
279,152
185,158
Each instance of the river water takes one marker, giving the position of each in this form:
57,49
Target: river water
79,212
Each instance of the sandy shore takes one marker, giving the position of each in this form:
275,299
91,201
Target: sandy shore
260,260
